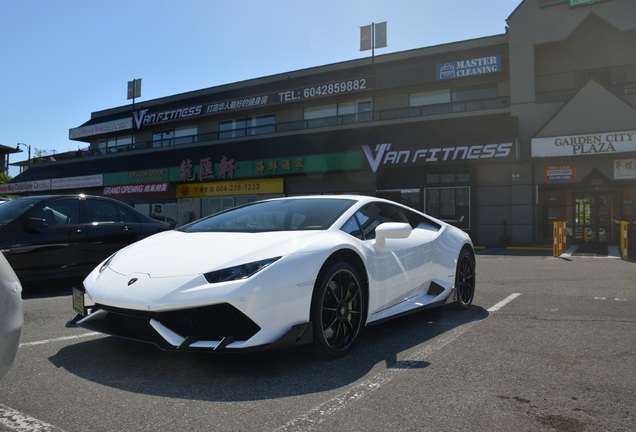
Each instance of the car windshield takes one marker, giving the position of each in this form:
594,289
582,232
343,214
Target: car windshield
277,215
14,208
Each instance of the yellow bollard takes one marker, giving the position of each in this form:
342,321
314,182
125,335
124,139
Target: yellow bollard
559,238
624,234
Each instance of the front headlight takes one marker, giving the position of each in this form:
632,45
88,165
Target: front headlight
238,272
104,265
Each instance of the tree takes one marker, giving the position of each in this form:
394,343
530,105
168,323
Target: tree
4,178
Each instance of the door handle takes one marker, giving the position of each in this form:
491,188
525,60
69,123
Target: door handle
127,227
75,231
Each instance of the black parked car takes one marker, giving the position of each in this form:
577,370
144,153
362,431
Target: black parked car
66,236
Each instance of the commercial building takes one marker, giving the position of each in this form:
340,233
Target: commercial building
500,135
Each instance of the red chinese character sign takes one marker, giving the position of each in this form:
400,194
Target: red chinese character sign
206,169
227,167
186,170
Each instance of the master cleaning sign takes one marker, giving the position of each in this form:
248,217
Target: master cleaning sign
468,67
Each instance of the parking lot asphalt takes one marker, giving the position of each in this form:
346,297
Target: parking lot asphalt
548,345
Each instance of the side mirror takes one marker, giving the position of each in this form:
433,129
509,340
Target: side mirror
35,224
391,230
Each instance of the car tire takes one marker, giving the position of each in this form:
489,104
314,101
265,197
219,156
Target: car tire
337,310
465,280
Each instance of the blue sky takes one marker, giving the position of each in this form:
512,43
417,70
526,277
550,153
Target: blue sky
61,60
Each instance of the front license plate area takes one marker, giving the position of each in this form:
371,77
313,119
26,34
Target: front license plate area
78,302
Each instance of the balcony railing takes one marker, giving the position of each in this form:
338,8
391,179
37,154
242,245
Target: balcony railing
335,121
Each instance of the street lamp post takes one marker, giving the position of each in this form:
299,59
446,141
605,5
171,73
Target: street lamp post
28,148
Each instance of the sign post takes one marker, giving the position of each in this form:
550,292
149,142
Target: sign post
134,91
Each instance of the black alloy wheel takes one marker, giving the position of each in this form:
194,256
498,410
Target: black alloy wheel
337,310
465,280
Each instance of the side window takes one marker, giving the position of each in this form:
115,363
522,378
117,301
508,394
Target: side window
415,220
351,227
126,216
101,211
61,212
372,215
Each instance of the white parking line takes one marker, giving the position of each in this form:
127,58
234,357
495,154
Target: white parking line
14,420
322,412
18,422
504,302
63,338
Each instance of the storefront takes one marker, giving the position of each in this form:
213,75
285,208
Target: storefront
588,181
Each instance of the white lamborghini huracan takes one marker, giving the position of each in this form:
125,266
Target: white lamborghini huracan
279,272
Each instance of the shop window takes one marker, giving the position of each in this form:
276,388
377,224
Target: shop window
460,99
365,111
244,199
163,138
185,135
354,111
343,112
232,128
409,197
450,204
262,125
447,178
178,136
432,178
114,144
163,211
474,93
629,205
124,142
321,111
474,98
244,126
431,97
462,177
218,204
215,205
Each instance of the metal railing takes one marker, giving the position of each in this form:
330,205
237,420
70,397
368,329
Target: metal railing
324,122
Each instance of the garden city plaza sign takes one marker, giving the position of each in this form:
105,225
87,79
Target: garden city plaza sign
606,143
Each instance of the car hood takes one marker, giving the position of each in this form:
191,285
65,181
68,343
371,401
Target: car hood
177,253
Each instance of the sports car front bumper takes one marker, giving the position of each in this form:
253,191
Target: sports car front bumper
219,327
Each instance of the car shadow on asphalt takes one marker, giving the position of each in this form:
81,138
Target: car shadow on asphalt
142,368
502,251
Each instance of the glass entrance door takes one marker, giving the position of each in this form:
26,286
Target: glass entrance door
596,216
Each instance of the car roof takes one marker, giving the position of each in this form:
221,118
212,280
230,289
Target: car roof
344,197
358,198
62,196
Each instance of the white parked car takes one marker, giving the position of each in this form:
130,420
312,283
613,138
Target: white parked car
280,272
11,318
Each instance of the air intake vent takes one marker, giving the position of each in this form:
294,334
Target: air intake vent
435,289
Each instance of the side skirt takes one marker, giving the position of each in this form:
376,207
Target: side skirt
448,299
